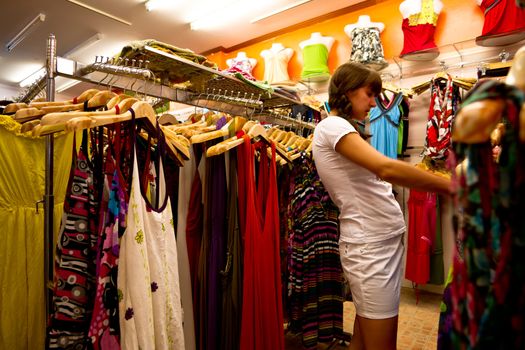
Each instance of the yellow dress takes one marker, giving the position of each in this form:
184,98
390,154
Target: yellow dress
22,298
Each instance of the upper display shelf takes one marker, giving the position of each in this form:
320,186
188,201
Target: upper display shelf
456,55
205,81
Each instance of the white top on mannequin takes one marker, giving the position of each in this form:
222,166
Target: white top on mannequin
412,7
317,38
241,56
363,22
276,63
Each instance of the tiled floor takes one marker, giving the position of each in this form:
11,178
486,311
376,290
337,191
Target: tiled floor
418,323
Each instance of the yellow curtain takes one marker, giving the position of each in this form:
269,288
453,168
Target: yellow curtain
22,180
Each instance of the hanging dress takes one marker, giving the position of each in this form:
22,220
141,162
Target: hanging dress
367,48
184,191
441,116
262,318
231,273
315,286
384,126
484,304
74,287
104,331
148,278
419,29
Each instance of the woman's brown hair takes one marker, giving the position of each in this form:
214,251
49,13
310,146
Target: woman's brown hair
348,77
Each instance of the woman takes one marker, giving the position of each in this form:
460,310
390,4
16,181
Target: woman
371,221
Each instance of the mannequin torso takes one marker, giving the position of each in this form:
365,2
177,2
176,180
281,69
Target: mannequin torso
412,7
276,63
504,22
243,59
317,38
363,22
419,25
315,57
366,44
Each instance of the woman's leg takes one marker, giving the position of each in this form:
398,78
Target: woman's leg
356,343
377,334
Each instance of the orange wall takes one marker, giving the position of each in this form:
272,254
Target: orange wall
460,20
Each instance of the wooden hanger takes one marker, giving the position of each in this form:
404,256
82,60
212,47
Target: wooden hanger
99,99
229,129
13,107
55,122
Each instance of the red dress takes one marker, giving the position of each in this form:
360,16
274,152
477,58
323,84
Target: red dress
262,317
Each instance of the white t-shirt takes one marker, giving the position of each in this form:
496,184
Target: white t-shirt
368,210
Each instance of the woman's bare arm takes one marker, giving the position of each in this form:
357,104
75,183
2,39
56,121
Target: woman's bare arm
353,147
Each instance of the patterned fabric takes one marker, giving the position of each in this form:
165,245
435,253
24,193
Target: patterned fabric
367,48
104,330
75,260
426,16
150,312
242,66
315,286
487,291
440,119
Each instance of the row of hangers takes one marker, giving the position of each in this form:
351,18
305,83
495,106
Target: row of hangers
461,82
43,118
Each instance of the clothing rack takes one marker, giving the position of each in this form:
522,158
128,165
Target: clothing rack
222,92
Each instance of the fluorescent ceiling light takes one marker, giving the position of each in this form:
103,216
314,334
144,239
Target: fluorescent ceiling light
33,77
100,12
153,4
85,44
21,35
285,8
225,14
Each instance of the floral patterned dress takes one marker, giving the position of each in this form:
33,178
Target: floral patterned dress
150,309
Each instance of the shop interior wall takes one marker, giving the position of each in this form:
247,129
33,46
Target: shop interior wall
459,21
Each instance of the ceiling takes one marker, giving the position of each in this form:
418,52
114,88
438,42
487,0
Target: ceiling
73,24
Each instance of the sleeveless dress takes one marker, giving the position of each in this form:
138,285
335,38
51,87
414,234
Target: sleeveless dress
441,117
315,65
483,306
262,315
418,29
367,48
148,279
384,124
75,258
104,330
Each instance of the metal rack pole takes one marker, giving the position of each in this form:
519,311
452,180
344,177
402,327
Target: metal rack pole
48,196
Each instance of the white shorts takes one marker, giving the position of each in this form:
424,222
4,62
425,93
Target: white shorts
374,272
